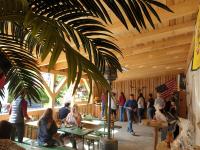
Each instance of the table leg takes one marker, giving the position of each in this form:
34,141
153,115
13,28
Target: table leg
155,138
83,142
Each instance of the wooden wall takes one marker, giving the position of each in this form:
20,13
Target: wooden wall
147,85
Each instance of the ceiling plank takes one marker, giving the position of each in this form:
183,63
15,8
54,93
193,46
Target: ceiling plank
158,45
185,8
155,35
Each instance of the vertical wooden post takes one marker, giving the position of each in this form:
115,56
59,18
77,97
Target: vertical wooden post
52,88
155,137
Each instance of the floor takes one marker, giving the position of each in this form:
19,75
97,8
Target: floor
142,141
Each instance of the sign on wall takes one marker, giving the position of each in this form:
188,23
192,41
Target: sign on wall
196,55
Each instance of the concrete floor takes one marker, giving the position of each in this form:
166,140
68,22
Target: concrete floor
142,141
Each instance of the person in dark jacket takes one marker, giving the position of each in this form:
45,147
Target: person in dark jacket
150,107
131,107
5,129
46,129
64,111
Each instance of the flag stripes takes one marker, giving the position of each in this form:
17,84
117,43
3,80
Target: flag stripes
171,87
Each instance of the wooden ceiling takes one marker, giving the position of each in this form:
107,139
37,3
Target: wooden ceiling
154,52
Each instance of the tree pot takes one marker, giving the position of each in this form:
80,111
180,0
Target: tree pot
108,144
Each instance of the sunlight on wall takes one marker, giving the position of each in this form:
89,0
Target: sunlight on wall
193,99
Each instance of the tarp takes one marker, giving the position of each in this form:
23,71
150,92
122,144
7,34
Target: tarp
196,55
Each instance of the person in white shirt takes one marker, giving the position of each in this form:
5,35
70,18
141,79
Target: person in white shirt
159,102
160,114
114,106
140,102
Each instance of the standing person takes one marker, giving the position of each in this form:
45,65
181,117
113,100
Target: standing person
122,100
114,106
47,128
64,111
160,114
159,102
131,106
17,112
150,107
140,102
103,104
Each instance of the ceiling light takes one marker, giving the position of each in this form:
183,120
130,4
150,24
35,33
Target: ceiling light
180,68
154,67
141,66
150,56
175,57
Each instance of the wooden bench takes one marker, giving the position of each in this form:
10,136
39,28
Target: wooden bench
93,137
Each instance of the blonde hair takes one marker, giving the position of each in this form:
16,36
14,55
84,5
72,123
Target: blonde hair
74,106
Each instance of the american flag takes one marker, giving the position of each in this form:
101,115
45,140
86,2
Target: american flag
170,87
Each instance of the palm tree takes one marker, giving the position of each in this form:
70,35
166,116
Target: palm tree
32,29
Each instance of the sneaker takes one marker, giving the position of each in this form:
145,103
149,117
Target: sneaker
133,133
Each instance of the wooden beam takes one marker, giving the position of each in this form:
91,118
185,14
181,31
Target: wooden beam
158,45
60,86
155,35
46,61
147,74
156,63
60,72
163,53
190,56
61,65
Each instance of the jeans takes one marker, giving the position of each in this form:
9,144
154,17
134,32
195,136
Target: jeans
140,114
121,113
150,113
130,120
164,133
103,106
19,129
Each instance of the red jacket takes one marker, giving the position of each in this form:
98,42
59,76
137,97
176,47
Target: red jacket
122,100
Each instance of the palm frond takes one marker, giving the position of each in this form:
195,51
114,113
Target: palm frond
135,10
18,64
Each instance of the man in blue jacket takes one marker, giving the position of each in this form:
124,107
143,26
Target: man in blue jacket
131,106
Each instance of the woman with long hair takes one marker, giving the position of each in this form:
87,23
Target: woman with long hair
47,128
74,117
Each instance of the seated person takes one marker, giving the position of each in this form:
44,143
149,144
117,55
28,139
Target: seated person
74,117
47,128
5,129
5,134
64,111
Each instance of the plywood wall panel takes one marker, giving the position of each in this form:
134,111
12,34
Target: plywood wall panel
132,86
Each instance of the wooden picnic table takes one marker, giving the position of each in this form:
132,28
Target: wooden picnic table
156,125
96,124
81,132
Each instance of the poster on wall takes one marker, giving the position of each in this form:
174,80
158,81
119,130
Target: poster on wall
196,55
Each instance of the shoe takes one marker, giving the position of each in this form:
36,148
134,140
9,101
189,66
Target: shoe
133,133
